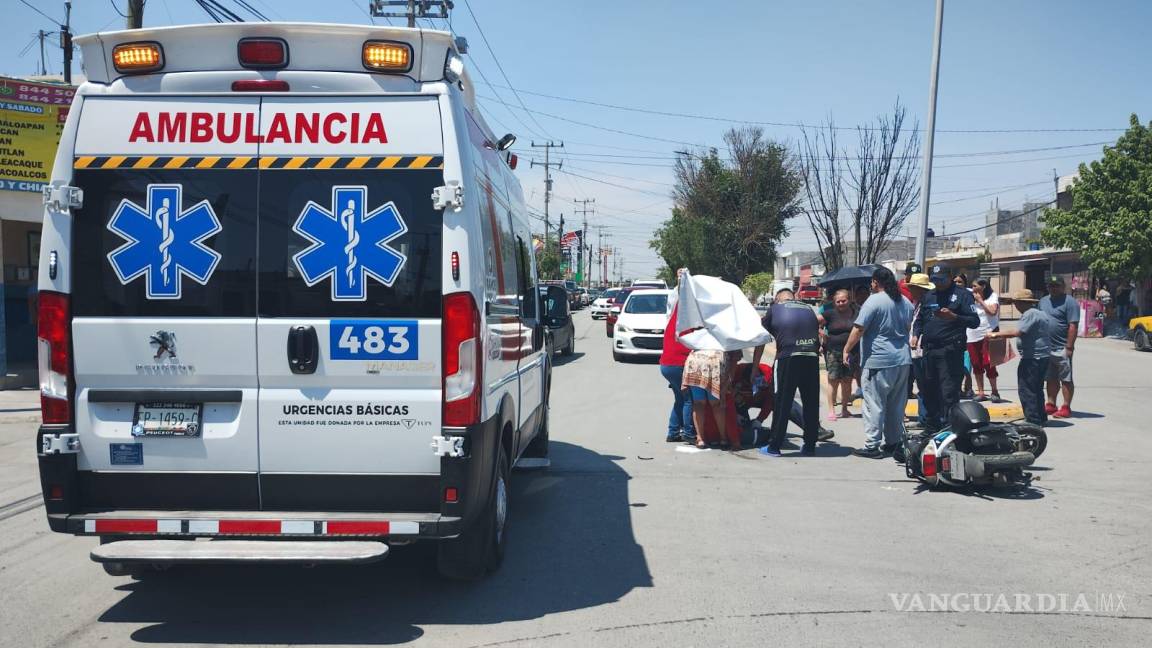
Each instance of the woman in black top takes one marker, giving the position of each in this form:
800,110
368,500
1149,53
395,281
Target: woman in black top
838,320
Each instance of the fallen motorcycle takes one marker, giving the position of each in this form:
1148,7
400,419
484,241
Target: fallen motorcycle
973,451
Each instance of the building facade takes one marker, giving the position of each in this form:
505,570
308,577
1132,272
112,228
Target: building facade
32,114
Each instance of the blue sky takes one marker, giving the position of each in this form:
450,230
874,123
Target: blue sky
1006,65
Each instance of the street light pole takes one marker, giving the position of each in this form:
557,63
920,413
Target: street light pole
929,136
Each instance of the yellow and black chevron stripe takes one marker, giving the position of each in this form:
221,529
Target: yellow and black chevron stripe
272,163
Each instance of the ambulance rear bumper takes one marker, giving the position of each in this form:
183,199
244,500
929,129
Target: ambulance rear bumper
176,552
291,525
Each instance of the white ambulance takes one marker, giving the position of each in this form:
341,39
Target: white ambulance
287,307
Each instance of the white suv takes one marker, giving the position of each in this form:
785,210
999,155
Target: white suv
286,303
640,326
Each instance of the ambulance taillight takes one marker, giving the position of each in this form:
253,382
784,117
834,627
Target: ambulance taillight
138,58
387,56
54,348
463,360
262,53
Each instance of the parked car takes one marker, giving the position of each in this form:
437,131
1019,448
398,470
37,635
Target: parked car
810,293
650,283
641,323
561,332
573,294
602,304
614,309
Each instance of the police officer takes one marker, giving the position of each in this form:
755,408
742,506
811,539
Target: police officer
940,330
797,332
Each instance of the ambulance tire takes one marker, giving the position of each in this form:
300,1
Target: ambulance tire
480,548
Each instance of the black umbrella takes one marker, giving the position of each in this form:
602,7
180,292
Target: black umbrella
848,276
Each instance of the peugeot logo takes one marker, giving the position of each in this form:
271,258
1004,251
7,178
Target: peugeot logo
165,343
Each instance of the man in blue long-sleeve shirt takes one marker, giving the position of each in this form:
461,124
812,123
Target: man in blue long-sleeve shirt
940,330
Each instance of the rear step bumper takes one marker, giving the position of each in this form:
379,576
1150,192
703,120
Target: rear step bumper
262,524
240,551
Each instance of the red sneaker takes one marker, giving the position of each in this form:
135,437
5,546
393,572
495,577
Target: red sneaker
1049,408
1063,412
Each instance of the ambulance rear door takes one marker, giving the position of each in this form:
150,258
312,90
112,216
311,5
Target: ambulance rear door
350,298
164,287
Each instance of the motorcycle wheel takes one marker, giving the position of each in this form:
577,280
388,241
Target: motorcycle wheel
1033,439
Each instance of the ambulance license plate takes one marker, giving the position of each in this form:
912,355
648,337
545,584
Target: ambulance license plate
167,419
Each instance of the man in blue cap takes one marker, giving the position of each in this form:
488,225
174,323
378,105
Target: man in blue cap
940,330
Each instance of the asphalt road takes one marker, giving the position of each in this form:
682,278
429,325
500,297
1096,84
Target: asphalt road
629,541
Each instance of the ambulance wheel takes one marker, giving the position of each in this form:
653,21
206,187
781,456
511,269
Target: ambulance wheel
480,547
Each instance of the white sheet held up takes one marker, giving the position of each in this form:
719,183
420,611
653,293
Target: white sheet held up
725,319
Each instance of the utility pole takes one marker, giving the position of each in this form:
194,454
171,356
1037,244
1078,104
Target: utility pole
584,236
413,9
929,137
43,67
135,14
560,240
548,164
66,41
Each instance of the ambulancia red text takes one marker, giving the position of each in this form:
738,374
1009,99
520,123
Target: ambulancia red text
229,128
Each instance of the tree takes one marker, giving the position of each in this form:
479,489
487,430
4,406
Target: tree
757,284
822,169
876,188
730,214
548,261
1110,220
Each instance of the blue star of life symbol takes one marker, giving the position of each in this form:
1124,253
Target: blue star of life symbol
349,243
164,241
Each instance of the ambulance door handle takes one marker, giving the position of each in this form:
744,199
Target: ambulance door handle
303,349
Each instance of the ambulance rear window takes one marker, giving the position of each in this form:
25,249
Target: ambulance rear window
247,243
350,280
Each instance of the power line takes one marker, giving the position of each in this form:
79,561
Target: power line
33,8
994,193
610,130
1006,220
507,107
857,158
496,60
666,113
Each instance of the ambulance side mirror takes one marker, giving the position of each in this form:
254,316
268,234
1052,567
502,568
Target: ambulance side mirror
506,142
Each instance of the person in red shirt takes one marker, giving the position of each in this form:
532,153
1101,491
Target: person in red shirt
672,361
909,270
